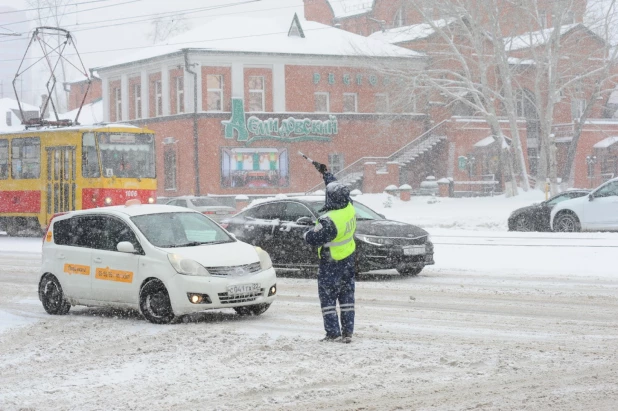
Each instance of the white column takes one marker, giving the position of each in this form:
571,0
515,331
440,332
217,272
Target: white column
124,97
279,88
198,69
238,80
165,90
105,92
145,95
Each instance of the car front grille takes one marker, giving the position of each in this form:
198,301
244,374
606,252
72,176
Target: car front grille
235,271
408,241
224,298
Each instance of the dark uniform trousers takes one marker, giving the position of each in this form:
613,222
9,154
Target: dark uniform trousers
336,283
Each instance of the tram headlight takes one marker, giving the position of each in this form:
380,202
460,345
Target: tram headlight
151,200
108,201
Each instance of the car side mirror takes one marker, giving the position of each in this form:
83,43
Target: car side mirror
125,247
590,197
305,221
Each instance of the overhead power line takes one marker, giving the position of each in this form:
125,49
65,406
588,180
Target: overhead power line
42,8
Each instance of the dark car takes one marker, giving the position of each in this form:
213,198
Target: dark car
536,217
278,226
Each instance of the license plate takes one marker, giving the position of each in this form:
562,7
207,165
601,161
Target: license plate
414,250
243,289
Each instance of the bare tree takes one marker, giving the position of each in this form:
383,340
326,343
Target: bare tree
167,27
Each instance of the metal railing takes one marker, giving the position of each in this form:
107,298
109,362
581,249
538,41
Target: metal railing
359,165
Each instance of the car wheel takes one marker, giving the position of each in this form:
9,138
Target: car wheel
523,223
52,296
409,271
155,304
567,223
257,309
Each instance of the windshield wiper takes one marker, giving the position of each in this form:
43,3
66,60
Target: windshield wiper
191,244
364,218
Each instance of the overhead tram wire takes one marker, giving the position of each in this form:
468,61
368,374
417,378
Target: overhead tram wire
42,8
173,44
78,11
148,17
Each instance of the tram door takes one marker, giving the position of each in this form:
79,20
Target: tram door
60,180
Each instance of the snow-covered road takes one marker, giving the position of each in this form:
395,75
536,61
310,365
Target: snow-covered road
488,328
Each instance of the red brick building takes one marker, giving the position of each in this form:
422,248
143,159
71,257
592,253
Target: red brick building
259,99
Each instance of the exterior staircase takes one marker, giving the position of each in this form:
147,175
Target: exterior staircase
352,175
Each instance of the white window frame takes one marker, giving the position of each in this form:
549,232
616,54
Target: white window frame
180,94
543,19
262,91
118,103
336,162
137,95
168,177
322,93
355,95
158,94
399,20
388,104
214,90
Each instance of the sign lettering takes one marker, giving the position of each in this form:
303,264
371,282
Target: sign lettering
288,130
77,269
114,275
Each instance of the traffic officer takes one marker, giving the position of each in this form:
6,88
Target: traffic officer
334,235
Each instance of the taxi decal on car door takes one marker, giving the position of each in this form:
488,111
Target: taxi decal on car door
77,269
114,275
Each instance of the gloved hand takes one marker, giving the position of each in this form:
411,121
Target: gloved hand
320,167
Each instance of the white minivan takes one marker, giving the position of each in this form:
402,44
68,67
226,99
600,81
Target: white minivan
598,211
163,260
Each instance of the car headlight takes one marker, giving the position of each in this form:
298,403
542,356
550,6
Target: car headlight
187,266
265,262
371,239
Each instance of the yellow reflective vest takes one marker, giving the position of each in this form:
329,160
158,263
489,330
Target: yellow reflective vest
343,245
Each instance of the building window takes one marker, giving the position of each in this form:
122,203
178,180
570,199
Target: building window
9,119
350,103
158,98
169,168
137,95
400,19
382,103
568,18
578,105
335,162
26,158
322,103
4,159
256,93
214,94
180,95
543,19
118,104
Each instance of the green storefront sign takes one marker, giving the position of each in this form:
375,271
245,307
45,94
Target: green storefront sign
289,130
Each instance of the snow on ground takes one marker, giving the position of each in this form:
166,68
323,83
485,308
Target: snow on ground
503,321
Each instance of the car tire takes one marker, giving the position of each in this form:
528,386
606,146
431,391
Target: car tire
524,223
52,296
155,304
247,310
567,223
409,271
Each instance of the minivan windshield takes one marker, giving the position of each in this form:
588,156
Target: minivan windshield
362,211
171,230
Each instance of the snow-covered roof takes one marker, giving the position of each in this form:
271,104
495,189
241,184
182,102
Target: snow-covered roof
535,38
408,33
8,105
348,8
244,34
90,114
606,143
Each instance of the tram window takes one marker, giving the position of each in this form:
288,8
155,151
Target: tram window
4,159
90,158
26,158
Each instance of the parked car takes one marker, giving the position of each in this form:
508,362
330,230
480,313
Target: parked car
598,211
164,261
278,226
536,216
205,205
